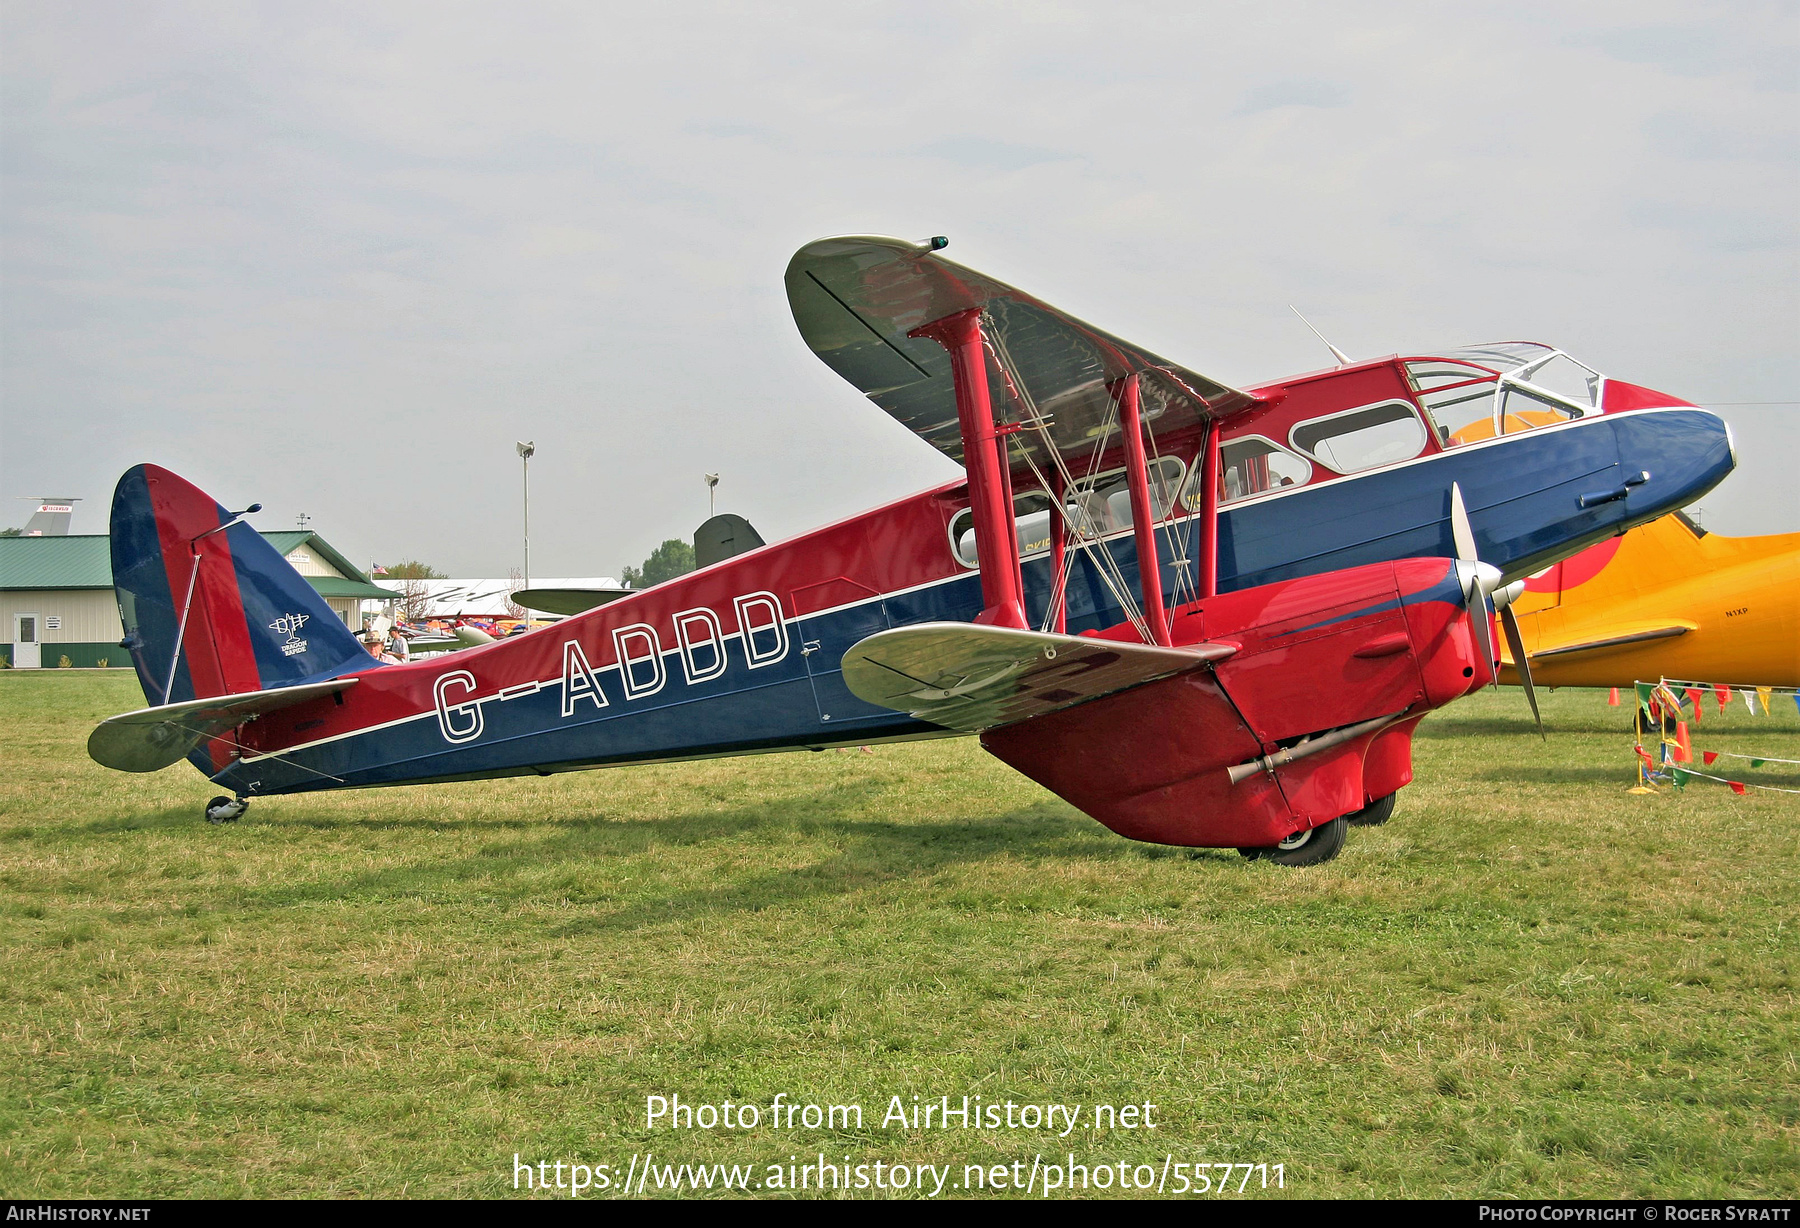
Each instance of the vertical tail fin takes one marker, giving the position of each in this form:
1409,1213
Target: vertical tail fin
253,622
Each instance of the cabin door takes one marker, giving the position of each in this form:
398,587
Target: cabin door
27,652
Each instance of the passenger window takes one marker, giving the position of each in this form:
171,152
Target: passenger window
1251,466
1096,507
1362,438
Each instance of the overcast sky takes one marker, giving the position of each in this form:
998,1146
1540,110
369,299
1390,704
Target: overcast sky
338,258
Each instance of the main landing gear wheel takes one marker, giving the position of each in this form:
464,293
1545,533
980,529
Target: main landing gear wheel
224,809
1305,848
1374,814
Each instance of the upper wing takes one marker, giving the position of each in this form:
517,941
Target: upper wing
153,738
857,299
568,600
971,677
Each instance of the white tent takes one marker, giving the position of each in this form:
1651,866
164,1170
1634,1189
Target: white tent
478,598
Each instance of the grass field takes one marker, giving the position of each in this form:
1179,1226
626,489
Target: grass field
1528,983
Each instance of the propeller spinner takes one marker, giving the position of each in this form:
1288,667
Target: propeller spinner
1481,583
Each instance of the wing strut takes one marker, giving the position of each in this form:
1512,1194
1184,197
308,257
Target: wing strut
996,539
1209,513
1143,512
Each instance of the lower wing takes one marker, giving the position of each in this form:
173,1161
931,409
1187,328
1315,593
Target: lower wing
970,677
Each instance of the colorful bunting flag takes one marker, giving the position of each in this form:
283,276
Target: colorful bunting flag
1684,749
1707,756
1764,693
1644,691
1724,694
1693,696
1736,787
1749,701
1681,778
1756,763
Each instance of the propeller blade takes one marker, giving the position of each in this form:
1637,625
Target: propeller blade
1460,529
1509,622
1483,629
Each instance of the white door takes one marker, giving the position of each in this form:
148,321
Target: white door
27,653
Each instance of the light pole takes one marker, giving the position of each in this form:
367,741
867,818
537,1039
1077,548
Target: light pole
525,452
712,483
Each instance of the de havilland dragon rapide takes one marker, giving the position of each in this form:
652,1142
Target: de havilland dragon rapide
1204,615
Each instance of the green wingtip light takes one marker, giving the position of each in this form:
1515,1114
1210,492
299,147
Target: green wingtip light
939,242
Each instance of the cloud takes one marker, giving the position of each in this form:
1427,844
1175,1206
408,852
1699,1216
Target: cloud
1278,94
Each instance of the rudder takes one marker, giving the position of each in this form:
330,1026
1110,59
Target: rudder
254,623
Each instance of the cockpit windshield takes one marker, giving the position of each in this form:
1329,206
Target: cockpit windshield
1480,391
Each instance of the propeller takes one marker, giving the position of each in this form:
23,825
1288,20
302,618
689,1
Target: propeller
1481,583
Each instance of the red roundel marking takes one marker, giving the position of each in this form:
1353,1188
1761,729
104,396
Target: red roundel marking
1575,571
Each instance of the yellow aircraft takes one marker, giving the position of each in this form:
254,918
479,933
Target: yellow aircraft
1667,599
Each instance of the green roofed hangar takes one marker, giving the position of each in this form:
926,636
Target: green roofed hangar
56,595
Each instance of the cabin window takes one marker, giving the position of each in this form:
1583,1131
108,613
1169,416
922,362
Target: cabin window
1097,505
1517,385
1454,395
1524,408
1362,438
1252,465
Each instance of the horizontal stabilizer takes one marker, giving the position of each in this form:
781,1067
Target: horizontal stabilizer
1624,638
152,738
970,677
569,601
859,300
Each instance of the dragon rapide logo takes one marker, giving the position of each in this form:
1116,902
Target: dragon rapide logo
289,625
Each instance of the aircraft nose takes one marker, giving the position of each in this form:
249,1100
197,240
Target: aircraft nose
1686,452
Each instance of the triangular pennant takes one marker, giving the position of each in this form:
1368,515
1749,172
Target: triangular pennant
1765,693
1749,701
1644,691
1758,762
1681,778
1736,787
1693,695
1724,694
1684,749
1707,756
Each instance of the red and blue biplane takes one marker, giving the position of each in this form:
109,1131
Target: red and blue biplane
1206,616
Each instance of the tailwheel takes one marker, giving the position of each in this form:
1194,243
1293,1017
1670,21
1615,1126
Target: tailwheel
1305,848
224,809
1374,814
